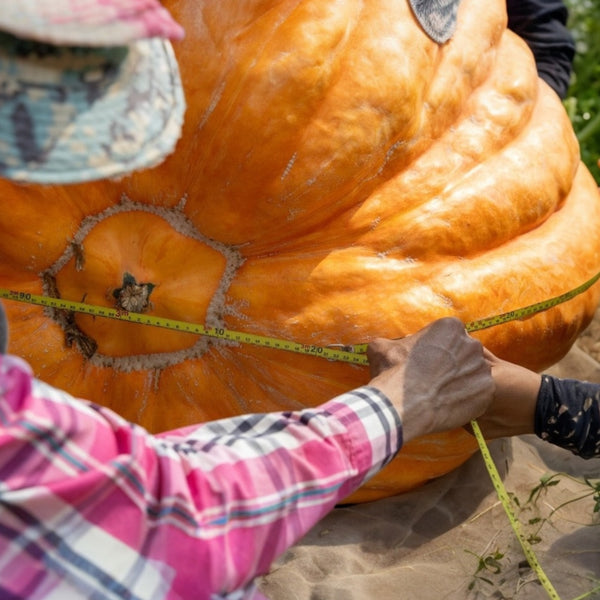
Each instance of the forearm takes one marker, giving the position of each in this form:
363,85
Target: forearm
275,475
568,415
201,511
513,410
564,412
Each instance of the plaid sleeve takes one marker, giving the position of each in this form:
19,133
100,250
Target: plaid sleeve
92,506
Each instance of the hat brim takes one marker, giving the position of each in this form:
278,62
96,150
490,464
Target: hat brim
69,114
87,22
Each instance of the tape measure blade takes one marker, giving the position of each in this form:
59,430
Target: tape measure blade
514,522
357,355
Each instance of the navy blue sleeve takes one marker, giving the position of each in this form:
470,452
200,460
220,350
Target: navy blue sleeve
542,25
568,415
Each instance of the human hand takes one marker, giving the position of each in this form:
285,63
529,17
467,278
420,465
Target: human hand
437,379
512,411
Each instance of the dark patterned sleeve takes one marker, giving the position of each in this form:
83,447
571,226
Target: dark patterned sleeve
568,415
543,26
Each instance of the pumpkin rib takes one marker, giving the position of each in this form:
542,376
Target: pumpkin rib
334,291
496,203
419,190
473,58
301,185
286,125
476,212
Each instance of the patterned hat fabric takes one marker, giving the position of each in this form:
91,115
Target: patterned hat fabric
73,113
436,17
87,22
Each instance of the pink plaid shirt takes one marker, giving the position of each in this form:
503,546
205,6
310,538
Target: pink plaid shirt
94,507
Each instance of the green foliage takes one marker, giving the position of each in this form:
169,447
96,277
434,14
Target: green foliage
488,564
583,100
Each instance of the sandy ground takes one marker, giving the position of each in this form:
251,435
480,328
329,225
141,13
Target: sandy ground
589,340
451,539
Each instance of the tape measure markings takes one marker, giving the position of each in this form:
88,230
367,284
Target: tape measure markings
355,354
351,356
527,311
515,523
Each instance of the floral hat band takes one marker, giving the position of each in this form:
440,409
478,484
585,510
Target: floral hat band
436,17
87,22
89,89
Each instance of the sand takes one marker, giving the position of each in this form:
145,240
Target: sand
451,538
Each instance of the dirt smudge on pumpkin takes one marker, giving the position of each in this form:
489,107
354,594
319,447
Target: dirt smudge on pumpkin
66,319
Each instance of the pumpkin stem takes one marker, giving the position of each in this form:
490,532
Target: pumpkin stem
133,296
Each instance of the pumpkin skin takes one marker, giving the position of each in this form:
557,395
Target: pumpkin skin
339,177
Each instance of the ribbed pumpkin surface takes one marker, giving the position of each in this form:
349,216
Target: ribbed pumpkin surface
340,177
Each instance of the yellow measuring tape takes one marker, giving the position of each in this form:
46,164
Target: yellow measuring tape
352,353
355,354
515,523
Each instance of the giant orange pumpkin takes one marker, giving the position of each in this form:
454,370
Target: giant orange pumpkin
340,177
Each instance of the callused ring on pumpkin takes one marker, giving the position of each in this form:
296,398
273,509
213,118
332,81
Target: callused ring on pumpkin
134,272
